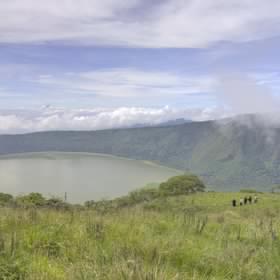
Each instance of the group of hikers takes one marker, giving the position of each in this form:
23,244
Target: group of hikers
245,200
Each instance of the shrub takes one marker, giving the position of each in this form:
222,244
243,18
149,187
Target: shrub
5,198
57,203
248,191
32,199
183,184
89,203
144,194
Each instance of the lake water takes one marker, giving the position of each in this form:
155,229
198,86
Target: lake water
82,176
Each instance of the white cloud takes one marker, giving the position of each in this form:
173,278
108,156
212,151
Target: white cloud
99,118
170,23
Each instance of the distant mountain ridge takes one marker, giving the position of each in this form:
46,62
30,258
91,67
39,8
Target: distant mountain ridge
229,154
167,123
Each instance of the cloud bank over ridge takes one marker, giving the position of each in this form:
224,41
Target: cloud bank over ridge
48,118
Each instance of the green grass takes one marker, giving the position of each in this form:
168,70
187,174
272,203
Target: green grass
195,237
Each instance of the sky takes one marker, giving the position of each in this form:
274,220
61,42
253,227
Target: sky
93,64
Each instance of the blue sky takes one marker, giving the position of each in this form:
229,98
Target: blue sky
90,65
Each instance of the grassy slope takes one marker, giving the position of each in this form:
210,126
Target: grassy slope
162,239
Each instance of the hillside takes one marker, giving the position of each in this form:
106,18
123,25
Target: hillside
199,237
230,154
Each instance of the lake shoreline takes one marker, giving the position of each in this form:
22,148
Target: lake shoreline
84,176
102,155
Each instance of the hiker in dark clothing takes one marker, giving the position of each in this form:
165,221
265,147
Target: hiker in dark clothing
234,202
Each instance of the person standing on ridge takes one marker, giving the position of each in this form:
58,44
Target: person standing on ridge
250,199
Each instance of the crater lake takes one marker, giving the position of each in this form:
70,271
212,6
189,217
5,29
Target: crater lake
82,176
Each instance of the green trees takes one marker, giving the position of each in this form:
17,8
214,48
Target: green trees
5,198
144,194
183,184
32,199
248,191
38,200
178,185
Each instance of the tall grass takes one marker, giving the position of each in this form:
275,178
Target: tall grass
186,237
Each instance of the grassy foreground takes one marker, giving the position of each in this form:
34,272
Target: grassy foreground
198,236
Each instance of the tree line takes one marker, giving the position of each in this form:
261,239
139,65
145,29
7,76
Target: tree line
177,185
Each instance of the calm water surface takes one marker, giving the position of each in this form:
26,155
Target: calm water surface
82,176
